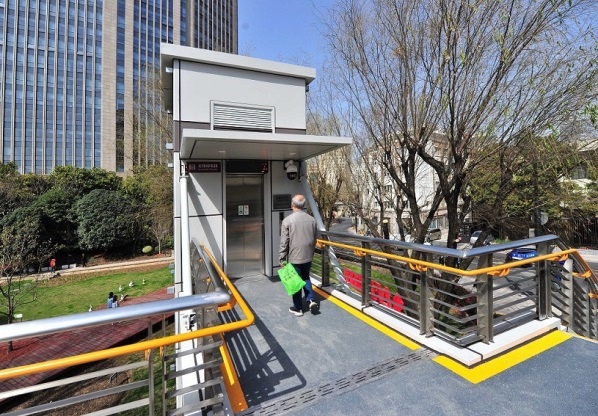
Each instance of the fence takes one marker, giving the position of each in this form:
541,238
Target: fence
462,296
430,288
578,232
154,376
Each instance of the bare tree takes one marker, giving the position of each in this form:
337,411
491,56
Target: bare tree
328,174
152,187
161,224
480,75
16,253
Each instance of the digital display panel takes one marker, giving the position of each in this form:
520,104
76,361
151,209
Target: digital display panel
246,166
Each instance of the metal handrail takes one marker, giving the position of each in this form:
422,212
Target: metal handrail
445,251
460,305
249,317
45,326
453,270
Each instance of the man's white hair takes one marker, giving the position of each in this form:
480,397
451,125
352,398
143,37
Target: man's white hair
298,201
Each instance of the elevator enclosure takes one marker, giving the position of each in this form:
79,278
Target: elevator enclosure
244,225
240,147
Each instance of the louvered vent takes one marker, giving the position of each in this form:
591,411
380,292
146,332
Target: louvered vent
237,117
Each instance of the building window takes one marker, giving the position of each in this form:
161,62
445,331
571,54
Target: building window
580,172
437,223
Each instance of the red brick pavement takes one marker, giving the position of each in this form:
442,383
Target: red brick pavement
39,349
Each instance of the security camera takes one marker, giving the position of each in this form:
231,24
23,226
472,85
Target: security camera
292,170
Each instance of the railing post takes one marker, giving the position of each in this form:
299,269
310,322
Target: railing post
485,312
151,376
149,355
366,270
165,371
567,318
543,285
426,324
592,321
325,266
590,316
162,352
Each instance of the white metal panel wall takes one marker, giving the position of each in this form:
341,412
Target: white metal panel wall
205,193
205,212
201,83
280,185
209,232
205,196
276,236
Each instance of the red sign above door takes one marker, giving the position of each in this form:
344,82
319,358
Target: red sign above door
204,167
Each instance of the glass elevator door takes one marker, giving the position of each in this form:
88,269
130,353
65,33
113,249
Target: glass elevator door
244,225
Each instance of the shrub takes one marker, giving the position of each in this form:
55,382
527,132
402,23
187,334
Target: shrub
106,220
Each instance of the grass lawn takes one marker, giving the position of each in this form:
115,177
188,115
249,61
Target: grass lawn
75,293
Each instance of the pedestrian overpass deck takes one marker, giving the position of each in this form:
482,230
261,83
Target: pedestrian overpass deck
346,359
341,362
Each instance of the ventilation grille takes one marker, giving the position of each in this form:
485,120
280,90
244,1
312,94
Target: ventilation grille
236,117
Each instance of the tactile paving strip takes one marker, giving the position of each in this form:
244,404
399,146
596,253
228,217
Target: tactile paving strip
308,396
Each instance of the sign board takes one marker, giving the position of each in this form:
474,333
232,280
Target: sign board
281,202
204,167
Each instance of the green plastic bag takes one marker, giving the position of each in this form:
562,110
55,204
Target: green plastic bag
290,279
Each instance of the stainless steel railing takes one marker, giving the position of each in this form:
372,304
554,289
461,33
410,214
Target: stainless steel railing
412,282
415,283
147,361
41,327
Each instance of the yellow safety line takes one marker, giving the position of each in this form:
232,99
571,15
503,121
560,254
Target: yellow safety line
231,381
497,365
370,321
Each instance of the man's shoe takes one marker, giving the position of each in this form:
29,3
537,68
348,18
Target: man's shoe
313,306
295,311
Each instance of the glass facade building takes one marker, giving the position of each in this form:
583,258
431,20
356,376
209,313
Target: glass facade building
78,77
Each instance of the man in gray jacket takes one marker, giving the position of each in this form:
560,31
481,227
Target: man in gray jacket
297,244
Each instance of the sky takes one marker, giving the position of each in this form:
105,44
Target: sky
283,30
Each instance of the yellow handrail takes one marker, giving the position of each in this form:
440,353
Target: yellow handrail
421,264
140,346
233,290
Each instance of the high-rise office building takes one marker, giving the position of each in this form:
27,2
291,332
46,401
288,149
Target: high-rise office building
77,77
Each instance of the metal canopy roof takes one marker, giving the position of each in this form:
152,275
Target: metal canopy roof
197,144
